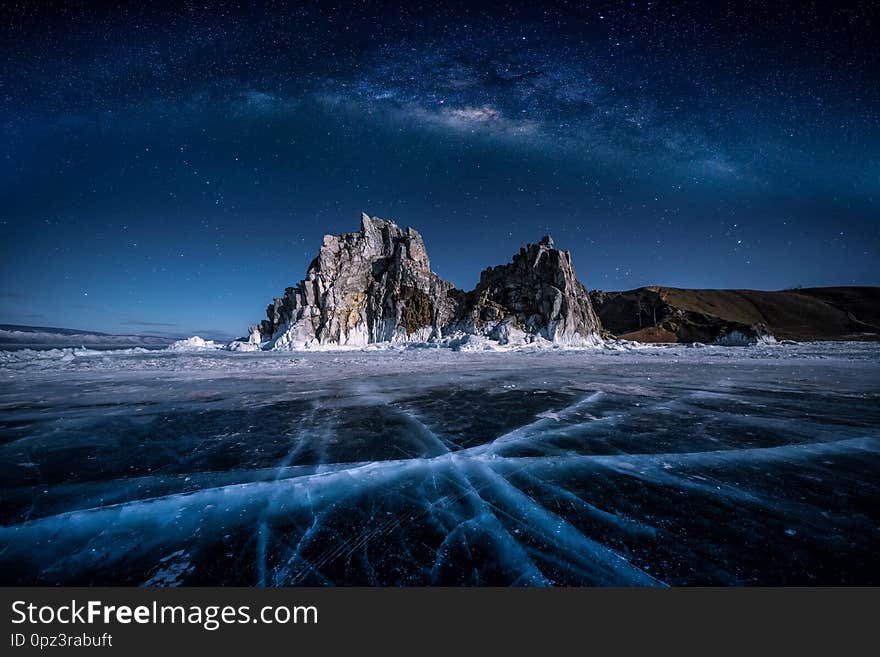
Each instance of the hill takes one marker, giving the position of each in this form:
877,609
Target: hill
668,314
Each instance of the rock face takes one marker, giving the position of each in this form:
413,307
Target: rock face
376,285
537,294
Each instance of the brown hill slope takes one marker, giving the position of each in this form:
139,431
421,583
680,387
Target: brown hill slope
693,315
862,302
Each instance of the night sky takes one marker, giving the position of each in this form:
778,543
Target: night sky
170,170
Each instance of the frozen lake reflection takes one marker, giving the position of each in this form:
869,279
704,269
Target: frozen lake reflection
651,466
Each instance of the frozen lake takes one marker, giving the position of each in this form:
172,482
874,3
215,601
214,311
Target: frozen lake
660,465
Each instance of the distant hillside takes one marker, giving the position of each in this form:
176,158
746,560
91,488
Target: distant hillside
13,336
667,314
19,328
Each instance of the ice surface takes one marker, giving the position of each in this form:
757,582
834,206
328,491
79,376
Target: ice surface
626,464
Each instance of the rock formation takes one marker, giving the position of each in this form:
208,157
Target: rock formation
537,294
376,285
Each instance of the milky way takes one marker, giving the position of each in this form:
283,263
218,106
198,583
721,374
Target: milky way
167,169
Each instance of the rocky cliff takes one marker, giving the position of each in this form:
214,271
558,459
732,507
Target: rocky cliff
537,294
376,285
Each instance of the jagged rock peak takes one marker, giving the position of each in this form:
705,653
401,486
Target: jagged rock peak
536,294
374,285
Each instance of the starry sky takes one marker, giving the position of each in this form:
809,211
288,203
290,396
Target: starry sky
168,169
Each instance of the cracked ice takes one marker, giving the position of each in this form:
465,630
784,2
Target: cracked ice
654,466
